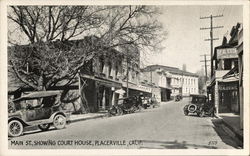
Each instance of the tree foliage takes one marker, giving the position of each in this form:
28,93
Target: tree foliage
53,53
59,41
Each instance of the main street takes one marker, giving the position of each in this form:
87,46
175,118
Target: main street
165,127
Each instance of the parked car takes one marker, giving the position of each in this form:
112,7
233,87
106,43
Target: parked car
178,97
200,105
146,102
41,108
126,105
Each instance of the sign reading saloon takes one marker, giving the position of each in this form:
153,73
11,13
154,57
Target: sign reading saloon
226,53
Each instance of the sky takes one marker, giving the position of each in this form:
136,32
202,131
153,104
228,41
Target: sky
185,41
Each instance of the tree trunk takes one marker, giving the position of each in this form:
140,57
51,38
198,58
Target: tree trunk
84,101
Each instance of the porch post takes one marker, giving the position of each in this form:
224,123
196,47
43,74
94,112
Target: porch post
104,99
216,97
113,98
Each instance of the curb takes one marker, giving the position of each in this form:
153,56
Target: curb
240,137
88,118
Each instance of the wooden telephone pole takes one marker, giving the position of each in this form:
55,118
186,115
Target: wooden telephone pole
211,36
205,61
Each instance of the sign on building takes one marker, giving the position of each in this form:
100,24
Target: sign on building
226,53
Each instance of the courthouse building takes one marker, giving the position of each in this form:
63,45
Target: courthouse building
100,83
171,80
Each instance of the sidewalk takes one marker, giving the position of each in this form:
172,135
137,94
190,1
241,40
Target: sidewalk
80,117
232,121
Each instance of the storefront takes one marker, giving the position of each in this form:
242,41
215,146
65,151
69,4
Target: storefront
165,94
228,97
99,94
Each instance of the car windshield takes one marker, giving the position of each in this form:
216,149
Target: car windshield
198,100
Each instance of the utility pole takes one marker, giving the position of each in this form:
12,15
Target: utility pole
151,81
211,35
127,75
205,61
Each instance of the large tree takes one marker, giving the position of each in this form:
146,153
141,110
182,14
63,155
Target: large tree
58,45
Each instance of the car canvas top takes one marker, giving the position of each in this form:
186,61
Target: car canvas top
37,94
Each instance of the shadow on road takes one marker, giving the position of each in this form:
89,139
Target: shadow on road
32,132
151,144
225,136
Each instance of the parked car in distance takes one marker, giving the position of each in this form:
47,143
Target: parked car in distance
178,97
146,102
200,105
40,108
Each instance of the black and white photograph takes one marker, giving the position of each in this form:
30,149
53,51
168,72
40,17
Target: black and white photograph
114,76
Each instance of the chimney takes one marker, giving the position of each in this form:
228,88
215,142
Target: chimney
184,67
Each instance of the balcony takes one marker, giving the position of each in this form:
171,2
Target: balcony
218,74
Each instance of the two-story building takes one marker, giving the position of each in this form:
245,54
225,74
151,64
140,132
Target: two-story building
160,79
102,81
224,86
113,74
172,80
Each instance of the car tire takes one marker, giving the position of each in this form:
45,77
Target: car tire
15,128
59,121
44,127
201,114
186,112
113,111
192,110
119,111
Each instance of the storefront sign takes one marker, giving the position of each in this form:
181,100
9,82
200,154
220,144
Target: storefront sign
227,53
228,87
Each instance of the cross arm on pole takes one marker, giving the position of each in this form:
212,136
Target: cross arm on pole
209,39
205,17
211,27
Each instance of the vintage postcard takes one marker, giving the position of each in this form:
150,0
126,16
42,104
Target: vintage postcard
124,78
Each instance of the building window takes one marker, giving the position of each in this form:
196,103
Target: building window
227,64
116,71
109,68
101,64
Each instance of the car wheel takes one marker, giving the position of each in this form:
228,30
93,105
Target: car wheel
59,121
120,111
202,113
44,127
186,112
15,128
113,111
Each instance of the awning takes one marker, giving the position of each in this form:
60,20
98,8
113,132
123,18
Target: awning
137,87
108,83
120,91
230,79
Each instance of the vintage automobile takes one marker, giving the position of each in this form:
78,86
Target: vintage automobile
178,97
146,102
126,105
199,104
40,108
